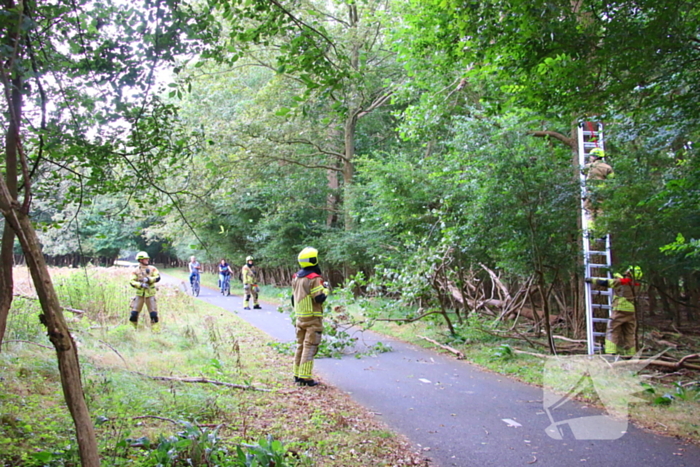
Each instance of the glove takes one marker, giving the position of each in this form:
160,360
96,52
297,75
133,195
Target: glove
146,282
325,284
246,287
588,280
144,285
256,289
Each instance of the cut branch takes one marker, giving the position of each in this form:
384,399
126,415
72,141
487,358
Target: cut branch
682,363
410,320
459,354
202,380
65,308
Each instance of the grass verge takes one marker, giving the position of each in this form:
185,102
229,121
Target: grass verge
153,395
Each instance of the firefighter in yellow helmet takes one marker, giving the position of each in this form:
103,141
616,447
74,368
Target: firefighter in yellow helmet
622,327
309,291
144,279
249,276
596,172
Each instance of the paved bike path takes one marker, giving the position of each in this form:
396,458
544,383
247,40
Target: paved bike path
460,415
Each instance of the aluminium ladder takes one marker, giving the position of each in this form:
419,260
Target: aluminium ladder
597,260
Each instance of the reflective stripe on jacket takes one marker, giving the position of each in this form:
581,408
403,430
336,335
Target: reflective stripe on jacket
624,297
305,289
145,272
249,274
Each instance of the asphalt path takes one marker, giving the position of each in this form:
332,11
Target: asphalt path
461,415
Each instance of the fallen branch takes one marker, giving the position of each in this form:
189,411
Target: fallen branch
113,350
459,354
29,297
682,363
175,422
30,342
201,380
409,320
510,336
538,355
577,341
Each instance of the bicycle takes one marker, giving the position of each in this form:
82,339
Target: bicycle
195,286
226,286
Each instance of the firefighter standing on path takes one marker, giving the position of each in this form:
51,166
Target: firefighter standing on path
144,279
250,284
309,291
622,328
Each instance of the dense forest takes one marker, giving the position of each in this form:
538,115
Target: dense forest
427,148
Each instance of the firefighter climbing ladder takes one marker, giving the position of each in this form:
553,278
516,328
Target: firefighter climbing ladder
596,250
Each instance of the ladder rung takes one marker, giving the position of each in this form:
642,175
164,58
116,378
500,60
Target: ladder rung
597,252
599,334
601,320
601,307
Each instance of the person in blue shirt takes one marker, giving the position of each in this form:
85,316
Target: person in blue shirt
225,272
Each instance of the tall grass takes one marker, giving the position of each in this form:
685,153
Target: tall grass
143,421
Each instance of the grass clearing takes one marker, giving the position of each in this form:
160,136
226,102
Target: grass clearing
143,421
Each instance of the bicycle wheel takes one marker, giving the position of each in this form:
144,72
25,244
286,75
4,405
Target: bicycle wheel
227,288
195,288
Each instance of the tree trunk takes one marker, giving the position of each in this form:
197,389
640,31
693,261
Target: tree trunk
348,168
8,235
58,332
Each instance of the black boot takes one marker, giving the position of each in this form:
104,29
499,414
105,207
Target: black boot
257,307
307,382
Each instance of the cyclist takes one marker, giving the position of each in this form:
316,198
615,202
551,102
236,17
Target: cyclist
250,284
225,272
195,267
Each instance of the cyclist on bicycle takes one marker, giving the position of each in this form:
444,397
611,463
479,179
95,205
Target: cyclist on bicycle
194,269
225,272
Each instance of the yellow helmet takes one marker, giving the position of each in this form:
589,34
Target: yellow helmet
142,255
597,152
308,257
249,258
635,272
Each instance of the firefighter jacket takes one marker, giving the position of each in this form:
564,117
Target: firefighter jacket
597,171
151,276
308,294
249,274
626,290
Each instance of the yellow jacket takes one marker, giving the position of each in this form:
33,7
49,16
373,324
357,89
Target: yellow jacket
147,275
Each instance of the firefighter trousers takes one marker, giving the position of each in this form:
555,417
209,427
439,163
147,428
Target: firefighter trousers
309,331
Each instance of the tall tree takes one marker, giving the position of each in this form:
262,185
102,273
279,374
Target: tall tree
79,76
337,51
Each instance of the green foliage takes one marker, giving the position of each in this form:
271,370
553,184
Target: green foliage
503,352
681,392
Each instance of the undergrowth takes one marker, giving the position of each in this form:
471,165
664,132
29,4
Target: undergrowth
145,411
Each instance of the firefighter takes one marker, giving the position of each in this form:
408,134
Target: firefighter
309,291
250,284
144,279
596,171
622,327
